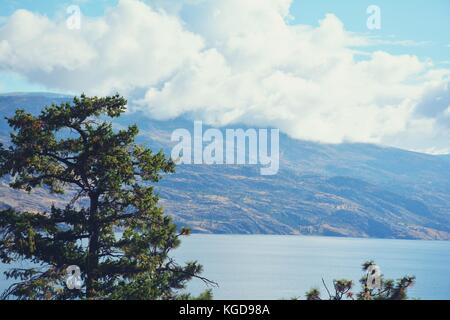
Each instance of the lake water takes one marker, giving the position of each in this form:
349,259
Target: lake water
276,267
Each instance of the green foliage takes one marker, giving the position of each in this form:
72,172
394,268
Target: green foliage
206,295
313,294
342,289
72,148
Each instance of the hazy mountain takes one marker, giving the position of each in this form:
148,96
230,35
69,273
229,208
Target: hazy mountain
356,190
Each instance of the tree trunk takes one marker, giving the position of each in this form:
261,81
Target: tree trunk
92,258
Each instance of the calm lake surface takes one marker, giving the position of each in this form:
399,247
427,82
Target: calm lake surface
275,267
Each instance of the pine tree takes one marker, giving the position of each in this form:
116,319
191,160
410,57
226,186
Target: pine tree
342,288
112,228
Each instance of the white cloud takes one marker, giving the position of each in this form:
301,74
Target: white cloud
131,47
231,61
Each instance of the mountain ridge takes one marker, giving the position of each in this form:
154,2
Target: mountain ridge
356,190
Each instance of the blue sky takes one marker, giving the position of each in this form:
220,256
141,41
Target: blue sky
313,69
417,20
426,24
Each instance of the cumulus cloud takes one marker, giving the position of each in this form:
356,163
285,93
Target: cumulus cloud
132,47
233,61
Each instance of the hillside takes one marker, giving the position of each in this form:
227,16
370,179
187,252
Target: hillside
357,190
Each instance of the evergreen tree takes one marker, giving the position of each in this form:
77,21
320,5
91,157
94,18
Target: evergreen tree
112,228
342,289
